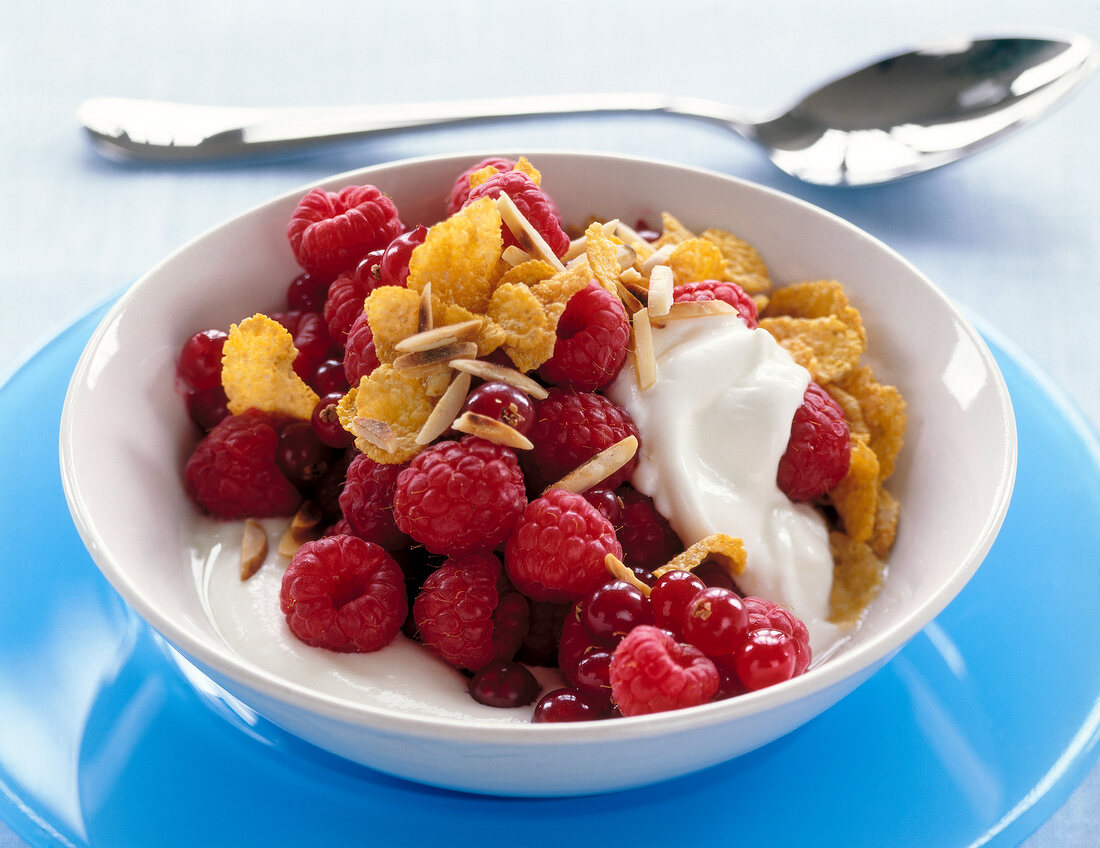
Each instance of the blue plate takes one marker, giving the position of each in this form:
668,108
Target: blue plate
976,731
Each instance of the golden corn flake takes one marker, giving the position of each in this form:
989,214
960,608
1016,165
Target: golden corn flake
697,259
672,231
401,403
826,347
393,313
853,414
742,259
525,167
603,257
883,409
529,327
489,336
887,511
816,299
855,498
725,550
461,257
478,177
857,578
258,370
529,273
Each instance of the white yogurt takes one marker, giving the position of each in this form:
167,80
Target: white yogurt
713,428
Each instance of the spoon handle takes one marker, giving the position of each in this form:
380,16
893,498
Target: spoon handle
155,130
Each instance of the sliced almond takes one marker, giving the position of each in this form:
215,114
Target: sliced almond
659,257
626,256
436,384
253,548
697,309
577,260
576,248
378,433
492,371
445,410
304,527
491,430
598,468
463,331
528,237
660,291
645,360
618,569
630,301
632,277
514,255
424,320
422,362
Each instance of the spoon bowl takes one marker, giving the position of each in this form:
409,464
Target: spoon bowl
896,117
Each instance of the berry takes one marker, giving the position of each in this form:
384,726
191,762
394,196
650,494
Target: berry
460,497
301,456
566,704
345,302
535,205
504,403
592,337
556,551
326,422
311,339
575,641
593,675
393,268
343,594
767,657
200,361
326,491
207,407
670,597
360,357
647,539
765,614
540,645
613,610
652,672
715,621
455,613
461,188
609,505
505,684
330,232
367,502
329,378
306,293
731,293
572,427
818,450
232,472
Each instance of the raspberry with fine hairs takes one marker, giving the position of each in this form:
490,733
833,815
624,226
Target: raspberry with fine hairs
571,427
344,594
818,451
647,539
460,497
367,501
651,672
360,357
345,300
233,472
468,616
461,188
536,205
330,232
592,337
764,614
557,550
731,293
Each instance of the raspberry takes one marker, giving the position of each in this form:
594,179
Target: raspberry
731,293
764,614
818,451
460,497
535,204
463,616
652,672
647,539
592,337
540,645
571,427
233,472
330,232
461,188
360,357
343,594
345,300
367,502
556,551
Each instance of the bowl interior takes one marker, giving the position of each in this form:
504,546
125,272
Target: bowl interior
125,436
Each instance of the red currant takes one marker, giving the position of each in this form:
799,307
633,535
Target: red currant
566,704
504,403
306,293
326,423
504,684
200,362
615,609
670,597
301,456
329,378
593,675
767,657
607,502
394,265
207,406
715,621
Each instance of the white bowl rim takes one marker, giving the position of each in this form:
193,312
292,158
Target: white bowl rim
874,651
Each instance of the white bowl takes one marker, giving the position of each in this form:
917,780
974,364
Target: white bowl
125,438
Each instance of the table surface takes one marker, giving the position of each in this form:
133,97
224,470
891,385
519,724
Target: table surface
1013,234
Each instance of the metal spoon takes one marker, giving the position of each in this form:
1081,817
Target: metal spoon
898,116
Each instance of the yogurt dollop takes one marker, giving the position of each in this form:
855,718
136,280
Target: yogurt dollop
713,428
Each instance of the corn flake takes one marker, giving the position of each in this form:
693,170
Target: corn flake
887,512
488,337
400,403
883,409
826,347
529,273
525,167
393,313
742,260
856,496
725,550
603,257
857,578
672,231
816,299
697,259
258,370
529,327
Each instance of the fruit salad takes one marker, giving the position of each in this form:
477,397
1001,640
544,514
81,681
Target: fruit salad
618,452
